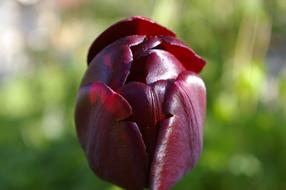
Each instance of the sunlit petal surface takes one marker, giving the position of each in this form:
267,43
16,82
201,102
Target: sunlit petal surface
180,136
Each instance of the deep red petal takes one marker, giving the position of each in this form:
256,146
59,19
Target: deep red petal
162,65
143,48
146,102
111,66
180,137
114,148
154,66
139,96
183,53
136,25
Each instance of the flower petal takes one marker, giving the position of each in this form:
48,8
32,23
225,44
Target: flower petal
142,48
183,53
154,66
146,102
114,148
180,137
162,65
111,66
131,26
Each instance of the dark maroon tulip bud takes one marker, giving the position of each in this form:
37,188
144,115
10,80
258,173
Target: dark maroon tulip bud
141,106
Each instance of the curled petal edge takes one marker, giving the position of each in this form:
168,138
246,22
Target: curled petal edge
136,25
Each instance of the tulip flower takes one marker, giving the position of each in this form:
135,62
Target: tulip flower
141,106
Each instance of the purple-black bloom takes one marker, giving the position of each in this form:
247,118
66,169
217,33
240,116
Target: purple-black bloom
141,106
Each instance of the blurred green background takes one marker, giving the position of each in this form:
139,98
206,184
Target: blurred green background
43,57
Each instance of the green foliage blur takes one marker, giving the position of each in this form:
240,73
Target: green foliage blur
244,43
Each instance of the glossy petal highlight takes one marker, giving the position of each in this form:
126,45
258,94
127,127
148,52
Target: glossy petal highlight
180,137
111,66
